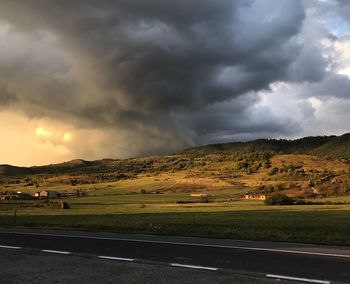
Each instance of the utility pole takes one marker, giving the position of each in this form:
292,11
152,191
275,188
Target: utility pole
15,216
15,211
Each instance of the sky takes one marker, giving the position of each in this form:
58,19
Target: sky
116,79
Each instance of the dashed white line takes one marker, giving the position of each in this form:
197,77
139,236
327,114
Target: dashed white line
297,279
10,247
194,266
275,276
116,258
55,251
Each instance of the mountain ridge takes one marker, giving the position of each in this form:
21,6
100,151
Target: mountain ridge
332,147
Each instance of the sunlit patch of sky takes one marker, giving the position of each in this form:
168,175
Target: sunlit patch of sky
337,26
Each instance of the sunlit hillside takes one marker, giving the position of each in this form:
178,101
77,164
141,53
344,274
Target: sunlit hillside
312,167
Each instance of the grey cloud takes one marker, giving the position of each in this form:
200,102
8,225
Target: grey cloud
309,66
233,120
194,43
344,9
334,85
159,69
6,97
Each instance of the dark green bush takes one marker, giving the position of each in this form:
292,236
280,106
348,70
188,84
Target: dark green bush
279,199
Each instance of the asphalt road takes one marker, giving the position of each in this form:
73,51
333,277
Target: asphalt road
22,266
265,260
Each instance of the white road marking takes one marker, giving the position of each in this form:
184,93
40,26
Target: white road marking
116,258
297,279
56,251
194,266
10,247
186,244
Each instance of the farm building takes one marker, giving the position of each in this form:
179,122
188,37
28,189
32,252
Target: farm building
199,195
54,193
49,194
255,196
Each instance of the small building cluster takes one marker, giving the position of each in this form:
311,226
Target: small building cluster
54,194
10,195
48,194
249,196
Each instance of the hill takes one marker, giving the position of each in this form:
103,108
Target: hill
12,170
337,148
280,146
258,150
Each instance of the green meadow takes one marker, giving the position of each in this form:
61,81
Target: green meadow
119,208
198,192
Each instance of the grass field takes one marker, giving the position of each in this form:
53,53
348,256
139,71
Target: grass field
162,204
160,214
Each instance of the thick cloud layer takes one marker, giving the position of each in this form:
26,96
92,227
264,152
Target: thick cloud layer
155,76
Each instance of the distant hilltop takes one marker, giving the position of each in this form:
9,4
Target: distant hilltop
332,147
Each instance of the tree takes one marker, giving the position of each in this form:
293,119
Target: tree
279,199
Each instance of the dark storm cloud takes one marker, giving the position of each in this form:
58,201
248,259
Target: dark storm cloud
239,119
154,68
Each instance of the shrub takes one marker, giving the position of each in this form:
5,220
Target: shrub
279,199
204,199
184,202
273,171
